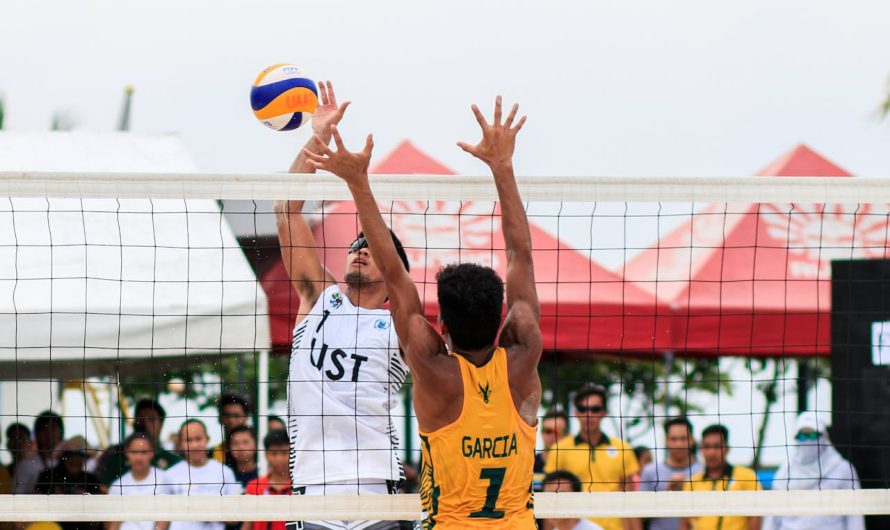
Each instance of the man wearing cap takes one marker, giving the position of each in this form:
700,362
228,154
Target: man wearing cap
69,477
814,464
346,368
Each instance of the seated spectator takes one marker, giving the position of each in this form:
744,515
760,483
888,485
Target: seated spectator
198,474
242,450
142,479
69,477
719,475
814,465
277,481
26,465
561,482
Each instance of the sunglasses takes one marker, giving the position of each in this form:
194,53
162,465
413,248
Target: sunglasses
807,436
596,409
358,244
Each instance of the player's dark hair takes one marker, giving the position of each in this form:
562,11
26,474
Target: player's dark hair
400,250
564,476
471,298
716,429
276,437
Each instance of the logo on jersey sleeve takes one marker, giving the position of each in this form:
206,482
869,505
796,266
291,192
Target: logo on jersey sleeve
381,324
485,391
336,300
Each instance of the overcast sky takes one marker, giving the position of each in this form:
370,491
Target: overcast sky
647,87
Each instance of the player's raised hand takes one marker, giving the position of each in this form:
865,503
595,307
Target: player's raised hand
328,112
498,138
349,166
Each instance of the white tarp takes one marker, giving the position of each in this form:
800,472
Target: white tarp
97,279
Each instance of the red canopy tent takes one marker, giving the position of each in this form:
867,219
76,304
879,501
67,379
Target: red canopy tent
584,306
754,279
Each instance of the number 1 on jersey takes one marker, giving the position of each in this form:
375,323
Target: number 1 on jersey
495,478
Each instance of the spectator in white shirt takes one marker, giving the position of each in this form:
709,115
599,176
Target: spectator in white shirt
142,479
198,474
814,464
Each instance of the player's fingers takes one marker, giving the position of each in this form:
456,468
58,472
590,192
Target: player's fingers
512,115
466,147
497,111
520,124
332,98
342,109
324,93
479,117
337,138
321,145
313,157
369,145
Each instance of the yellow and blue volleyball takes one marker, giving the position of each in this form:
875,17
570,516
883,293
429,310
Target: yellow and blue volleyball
283,97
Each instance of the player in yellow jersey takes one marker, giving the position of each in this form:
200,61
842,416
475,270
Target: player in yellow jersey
475,398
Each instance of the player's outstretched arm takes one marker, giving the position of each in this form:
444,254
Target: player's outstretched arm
307,273
521,333
417,337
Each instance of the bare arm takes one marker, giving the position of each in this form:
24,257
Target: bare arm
163,525
753,523
308,275
421,343
521,334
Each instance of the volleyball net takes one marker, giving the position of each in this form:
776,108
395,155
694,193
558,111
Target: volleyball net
733,302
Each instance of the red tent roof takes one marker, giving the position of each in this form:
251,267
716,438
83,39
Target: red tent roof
755,279
803,162
584,306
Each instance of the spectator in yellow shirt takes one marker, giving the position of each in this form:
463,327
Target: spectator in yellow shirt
601,462
720,475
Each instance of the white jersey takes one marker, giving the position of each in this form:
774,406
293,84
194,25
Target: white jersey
344,379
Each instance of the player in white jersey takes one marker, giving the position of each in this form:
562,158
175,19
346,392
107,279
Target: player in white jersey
346,368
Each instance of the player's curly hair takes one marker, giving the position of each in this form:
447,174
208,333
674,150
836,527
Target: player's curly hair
471,298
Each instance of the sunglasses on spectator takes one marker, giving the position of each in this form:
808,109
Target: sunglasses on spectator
807,436
596,409
358,244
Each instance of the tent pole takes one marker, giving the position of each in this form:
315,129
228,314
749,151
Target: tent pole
262,409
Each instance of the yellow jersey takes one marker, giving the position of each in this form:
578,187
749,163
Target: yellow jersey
477,471
734,478
604,467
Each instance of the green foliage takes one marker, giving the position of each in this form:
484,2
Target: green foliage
206,381
2,112
642,381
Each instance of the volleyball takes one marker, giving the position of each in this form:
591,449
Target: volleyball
283,97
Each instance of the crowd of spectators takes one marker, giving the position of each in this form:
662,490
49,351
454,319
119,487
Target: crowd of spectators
45,462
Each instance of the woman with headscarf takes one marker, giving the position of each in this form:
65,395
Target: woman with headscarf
814,464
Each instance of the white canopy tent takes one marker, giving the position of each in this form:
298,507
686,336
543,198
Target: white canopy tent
102,287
